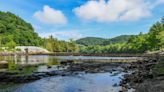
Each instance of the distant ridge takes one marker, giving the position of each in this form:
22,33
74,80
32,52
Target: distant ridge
89,41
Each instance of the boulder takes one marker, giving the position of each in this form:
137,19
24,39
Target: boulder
3,64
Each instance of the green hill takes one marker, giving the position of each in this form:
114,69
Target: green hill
118,39
88,41
15,31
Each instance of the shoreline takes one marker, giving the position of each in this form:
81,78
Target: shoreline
144,77
141,72
82,54
72,69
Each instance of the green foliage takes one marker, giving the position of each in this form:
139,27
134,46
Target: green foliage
11,44
156,35
118,39
54,45
90,41
152,41
15,31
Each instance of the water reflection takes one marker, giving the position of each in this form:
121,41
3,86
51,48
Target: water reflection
15,63
37,59
24,65
98,82
53,61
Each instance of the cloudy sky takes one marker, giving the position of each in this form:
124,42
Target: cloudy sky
75,19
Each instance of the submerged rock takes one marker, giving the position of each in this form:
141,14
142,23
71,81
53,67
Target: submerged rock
3,64
48,66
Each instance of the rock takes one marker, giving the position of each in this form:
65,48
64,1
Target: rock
63,75
142,71
3,64
48,67
115,85
20,68
63,62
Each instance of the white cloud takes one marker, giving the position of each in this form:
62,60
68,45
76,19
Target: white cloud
64,35
50,16
115,10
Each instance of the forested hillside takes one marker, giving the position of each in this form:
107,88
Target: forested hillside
118,39
90,41
15,31
152,41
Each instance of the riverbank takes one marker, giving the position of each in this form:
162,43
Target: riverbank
136,73
84,54
66,68
147,76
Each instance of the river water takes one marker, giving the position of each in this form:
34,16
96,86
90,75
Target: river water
81,82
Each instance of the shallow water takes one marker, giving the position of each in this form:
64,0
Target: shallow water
39,59
99,82
81,82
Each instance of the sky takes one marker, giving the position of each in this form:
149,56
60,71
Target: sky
65,19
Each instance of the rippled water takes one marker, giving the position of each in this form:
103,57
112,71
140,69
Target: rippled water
82,82
99,82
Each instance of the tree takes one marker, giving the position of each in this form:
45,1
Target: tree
161,38
153,33
2,28
11,44
21,32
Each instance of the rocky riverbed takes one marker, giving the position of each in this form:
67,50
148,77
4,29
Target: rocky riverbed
140,75
144,76
69,67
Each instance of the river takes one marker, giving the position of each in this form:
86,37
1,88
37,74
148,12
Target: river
81,82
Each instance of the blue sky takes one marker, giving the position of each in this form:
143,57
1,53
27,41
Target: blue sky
65,19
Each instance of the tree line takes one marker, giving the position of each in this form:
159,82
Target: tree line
14,31
54,45
152,41
91,41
